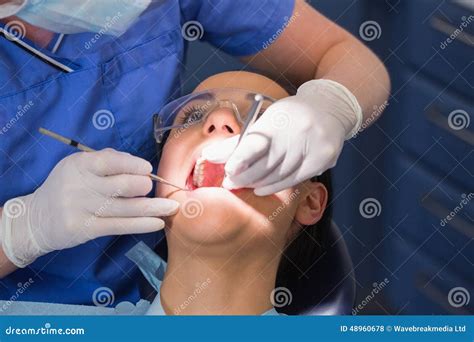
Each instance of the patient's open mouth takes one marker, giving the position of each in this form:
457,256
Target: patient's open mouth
205,175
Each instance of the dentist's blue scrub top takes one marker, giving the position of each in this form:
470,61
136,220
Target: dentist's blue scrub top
130,78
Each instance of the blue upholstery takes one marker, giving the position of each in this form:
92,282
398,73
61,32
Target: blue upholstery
333,277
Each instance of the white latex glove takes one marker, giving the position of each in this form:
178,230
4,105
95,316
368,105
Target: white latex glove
86,196
297,138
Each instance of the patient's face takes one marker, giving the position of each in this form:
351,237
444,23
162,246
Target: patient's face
210,214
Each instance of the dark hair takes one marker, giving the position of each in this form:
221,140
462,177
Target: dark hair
303,251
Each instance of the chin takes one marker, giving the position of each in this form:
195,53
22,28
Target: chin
212,215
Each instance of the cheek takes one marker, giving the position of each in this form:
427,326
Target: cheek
278,212
281,205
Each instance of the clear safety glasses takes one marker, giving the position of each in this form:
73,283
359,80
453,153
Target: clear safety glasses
194,109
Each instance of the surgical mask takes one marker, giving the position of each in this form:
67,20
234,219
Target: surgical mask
112,17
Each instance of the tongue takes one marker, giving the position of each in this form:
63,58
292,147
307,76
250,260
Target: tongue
213,175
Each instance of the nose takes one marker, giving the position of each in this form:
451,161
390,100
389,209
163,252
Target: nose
221,122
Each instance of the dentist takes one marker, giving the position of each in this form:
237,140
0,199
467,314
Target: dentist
97,71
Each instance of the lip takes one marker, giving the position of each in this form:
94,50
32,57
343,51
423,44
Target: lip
189,183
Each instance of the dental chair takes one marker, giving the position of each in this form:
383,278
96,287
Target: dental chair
329,288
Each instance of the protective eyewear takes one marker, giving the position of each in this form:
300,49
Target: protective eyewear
194,109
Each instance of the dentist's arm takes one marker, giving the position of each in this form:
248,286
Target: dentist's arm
339,82
86,196
6,266
314,47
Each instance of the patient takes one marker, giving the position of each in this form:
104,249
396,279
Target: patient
240,246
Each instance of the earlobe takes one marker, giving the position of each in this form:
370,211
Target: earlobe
312,206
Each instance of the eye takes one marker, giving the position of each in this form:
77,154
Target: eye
192,115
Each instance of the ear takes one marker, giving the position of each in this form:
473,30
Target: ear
313,203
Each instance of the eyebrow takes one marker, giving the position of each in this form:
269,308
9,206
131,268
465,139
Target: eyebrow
208,96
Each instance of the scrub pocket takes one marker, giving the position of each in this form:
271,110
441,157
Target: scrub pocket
138,83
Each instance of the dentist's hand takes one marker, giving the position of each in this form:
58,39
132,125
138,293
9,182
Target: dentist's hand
86,196
297,138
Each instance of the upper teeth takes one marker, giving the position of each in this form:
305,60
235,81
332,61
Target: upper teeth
198,174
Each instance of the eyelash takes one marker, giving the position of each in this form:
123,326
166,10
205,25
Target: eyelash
197,111
190,112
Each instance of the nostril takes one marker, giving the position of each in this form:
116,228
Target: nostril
211,128
229,129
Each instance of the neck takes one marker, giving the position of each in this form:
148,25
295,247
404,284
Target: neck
207,285
37,35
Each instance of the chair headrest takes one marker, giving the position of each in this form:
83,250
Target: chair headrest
329,286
